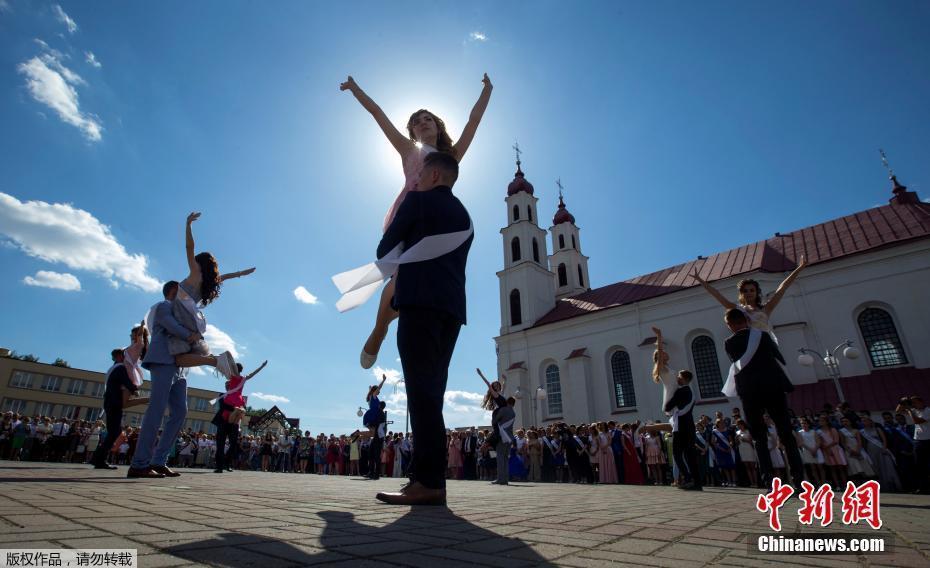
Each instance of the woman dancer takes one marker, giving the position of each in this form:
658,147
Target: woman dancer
661,371
132,355
811,455
426,134
371,416
750,298
198,290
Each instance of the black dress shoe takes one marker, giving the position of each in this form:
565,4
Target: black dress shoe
218,470
147,473
104,465
165,471
229,469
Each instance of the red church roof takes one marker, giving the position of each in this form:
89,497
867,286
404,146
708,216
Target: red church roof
905,219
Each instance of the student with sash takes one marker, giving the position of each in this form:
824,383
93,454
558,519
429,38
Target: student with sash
115,398
757,377
684,436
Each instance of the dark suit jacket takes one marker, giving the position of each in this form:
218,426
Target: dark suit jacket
439,283
763,375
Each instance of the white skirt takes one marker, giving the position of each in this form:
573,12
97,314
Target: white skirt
747,453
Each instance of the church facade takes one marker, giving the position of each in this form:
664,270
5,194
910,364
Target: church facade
576,354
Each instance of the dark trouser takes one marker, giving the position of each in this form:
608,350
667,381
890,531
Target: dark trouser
114,427
618,462
231,431
686,454
374,457
469,466
922,459
776,405
426,339
502,449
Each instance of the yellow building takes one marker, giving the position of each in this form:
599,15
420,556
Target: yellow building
40,389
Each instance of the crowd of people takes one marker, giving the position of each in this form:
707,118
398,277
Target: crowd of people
836,444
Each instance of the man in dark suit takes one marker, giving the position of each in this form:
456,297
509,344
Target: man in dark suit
430,299
469,449
117,381
762,386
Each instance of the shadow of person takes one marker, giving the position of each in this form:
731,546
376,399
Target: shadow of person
419,536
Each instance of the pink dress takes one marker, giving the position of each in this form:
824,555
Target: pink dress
413,165
131,360
606,466
233,398
455,453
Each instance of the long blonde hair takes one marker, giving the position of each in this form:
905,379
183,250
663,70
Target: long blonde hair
488,402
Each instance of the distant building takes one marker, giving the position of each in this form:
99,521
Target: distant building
273,421
590,350
49,390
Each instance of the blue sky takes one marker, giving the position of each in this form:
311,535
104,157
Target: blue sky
661,119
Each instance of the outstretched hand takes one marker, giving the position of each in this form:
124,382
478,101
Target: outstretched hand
486,80
193,217
657,331
246,272
350,85
803,261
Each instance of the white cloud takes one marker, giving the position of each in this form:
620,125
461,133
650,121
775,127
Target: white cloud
477,36
64,18
89,57
269,397
52,84
62,233
220,341
5,6
393,375
54,280
197,371
304,296
460,408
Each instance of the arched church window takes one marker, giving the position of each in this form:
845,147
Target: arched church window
706,366
535,250
516,212
515,314
561,242
881,338
563,276
553,391
515,249
624,395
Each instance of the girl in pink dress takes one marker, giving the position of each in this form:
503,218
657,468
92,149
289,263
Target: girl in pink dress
132,355
606,466
426,133
455,456
233,396
834,458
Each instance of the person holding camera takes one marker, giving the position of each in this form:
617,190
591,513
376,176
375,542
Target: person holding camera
918,412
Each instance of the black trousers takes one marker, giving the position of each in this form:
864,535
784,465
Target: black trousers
426,339
114,427
231,431
469,466
686,454
374,457
922,463
775,404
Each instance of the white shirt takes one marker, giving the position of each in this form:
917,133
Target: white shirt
922,431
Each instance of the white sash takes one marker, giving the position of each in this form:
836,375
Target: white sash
549,444
231,391
755,336
726,442
680,411
360,284
505,438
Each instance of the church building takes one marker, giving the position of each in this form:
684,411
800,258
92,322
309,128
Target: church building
575,353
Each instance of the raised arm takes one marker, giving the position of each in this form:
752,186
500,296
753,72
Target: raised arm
776,297
713,291
474,119
401,143
480,374
383,380
256,371
239,274
189,244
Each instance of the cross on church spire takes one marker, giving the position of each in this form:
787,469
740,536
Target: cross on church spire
558,182
516,149
885,163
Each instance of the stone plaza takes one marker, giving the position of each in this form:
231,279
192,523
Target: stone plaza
273,519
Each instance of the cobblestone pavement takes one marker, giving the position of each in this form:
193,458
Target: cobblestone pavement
265,519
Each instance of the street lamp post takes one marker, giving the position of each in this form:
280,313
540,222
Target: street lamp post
540,395
830,362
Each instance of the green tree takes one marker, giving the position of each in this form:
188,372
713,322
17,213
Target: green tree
59,362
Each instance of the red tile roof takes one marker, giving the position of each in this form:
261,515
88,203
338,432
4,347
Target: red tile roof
857,233
880,390
580,352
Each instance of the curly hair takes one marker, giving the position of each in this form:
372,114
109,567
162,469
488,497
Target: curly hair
209,278
488,402
443,140
758,290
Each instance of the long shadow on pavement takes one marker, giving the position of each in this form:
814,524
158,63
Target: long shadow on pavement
424,535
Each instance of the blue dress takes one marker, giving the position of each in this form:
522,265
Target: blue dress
371,415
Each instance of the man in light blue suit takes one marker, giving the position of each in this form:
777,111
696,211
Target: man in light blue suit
169,390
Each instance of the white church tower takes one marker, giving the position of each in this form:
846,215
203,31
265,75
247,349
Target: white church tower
526,284
568,265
